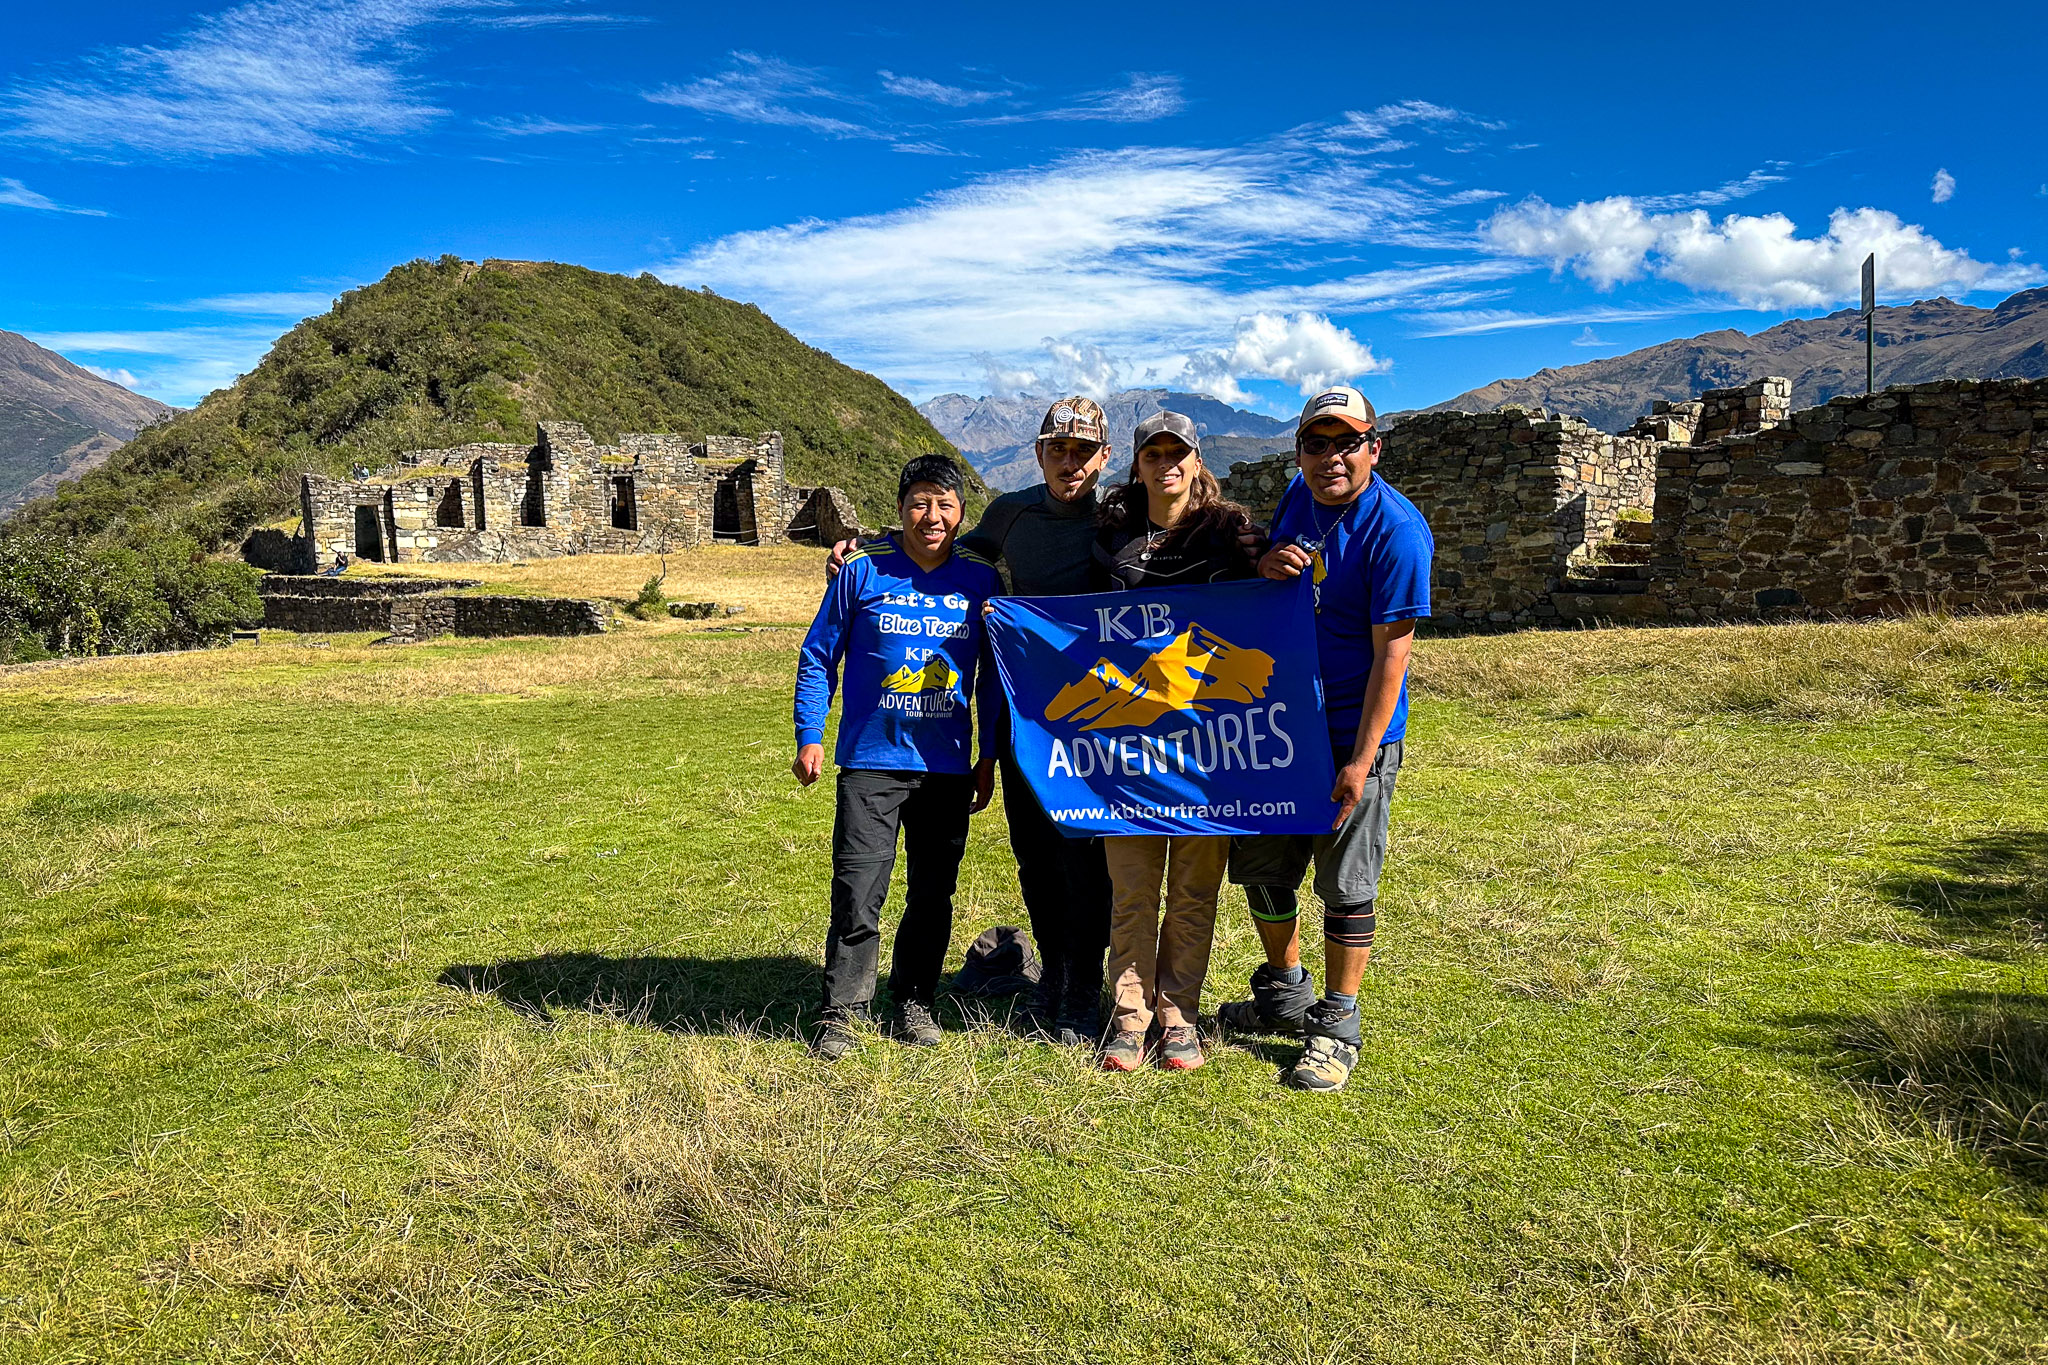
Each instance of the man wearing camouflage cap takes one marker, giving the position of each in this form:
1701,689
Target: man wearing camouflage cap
1044,537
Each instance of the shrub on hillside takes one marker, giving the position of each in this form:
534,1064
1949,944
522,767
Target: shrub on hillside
158,592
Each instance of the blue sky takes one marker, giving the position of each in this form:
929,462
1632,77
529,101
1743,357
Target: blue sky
1251,201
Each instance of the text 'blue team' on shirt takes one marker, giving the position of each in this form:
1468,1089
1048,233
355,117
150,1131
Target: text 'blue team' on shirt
911,640
1369,562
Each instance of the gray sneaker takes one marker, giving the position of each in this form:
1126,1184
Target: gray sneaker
1125,1051
1332,1052
915,1025
1180,1048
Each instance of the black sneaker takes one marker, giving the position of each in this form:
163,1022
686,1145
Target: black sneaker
913,1024
835,1036
1276,1006
1332,1052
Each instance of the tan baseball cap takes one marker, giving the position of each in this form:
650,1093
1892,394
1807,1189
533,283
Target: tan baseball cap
1344,403
1080,418
1165,423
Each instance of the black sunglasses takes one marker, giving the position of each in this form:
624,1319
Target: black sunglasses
1315,447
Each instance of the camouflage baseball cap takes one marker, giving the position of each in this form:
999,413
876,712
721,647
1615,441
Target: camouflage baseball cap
1165,423
1080,418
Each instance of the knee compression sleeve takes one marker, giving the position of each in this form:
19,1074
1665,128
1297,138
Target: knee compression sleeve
1273,904
1349,926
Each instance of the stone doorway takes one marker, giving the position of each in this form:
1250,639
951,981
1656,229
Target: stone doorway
732,506
625,514
449,511
533,507
369,535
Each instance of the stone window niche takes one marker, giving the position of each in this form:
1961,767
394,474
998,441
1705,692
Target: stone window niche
625,513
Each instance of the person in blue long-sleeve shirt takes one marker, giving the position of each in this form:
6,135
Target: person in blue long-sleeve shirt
904,620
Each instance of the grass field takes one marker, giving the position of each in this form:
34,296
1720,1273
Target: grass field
438,1002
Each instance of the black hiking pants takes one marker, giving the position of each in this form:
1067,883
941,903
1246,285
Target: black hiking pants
1066,892
931,811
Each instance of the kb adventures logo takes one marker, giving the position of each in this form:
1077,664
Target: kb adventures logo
1193,671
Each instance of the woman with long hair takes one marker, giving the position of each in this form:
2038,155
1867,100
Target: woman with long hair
1166,525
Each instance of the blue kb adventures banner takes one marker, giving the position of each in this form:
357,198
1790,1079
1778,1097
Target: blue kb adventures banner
1169,711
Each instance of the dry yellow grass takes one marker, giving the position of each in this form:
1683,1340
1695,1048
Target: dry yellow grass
774,583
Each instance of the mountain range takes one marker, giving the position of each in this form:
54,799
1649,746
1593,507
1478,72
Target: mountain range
999,435
57,420
1917,342
440,353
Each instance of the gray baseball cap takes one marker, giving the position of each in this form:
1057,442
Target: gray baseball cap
1166,424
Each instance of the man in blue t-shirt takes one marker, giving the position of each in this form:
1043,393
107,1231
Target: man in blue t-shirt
904,616
1367,551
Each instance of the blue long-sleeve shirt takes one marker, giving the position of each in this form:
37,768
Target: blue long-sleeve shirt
912,642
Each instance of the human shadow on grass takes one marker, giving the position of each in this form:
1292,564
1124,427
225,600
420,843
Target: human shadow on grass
1969,1067
1995,882
682,994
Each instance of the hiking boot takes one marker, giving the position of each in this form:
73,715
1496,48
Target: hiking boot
1180,1048
1077,1029
1039,1016
1332,1051
914,1024
835,1036
1276,1006
1080,1018
1125,1051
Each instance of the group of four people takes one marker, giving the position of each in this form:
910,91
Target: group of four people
902,617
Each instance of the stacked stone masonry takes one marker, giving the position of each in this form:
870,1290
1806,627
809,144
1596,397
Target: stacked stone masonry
563,495
1729,507
418,609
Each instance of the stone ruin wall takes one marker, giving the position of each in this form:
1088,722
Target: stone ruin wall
1511,497
494,502
1930,496
419,609
1922,497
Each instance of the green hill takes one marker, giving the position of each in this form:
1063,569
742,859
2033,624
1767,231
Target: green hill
439,353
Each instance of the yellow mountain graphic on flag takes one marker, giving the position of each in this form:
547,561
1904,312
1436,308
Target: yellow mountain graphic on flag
1196,668
936,676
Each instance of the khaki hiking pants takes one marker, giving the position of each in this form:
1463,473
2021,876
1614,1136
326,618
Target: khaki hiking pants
1156,963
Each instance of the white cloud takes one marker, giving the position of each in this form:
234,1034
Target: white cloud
14,194
177,366
116,375
537,125
1728,190
757,89
933,92
280,304
1377,124
1154,254
291,76
1758,261
1480,321
556,20
1944,186
1306,350
1142,99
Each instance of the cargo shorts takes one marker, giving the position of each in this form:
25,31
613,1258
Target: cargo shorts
1347,860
